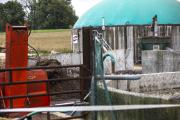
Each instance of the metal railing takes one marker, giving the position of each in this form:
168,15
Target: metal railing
82,91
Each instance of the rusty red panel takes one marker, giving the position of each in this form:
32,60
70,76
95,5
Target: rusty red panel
2,79
16,56
38,88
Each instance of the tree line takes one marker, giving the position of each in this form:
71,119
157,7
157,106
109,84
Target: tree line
40,14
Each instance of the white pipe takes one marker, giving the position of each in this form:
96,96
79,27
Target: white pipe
120,77
90,108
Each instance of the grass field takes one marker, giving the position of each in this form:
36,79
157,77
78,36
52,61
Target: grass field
47,40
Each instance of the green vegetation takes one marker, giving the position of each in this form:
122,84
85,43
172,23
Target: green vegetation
51,14
45,31
50,30
63,50
11,12
39,14
47,40
50,21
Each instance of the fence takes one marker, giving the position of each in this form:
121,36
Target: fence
81,91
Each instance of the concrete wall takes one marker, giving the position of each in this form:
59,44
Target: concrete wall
150,82
119,97
68,58
123,60
160,61
176,38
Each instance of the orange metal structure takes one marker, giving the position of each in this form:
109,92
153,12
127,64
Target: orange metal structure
17,57
37,88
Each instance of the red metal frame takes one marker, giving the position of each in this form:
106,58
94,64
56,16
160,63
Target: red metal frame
17,57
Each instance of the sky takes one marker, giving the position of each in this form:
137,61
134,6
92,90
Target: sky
80,6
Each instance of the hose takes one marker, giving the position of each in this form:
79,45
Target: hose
37,53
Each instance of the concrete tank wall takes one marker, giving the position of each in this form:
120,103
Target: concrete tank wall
150,82
160,61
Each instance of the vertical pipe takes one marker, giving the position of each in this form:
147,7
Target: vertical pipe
82,81
48,116
103,24
93,81
125,37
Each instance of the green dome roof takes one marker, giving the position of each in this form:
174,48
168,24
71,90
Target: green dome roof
136,12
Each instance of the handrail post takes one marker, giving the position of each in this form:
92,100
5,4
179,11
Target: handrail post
82,82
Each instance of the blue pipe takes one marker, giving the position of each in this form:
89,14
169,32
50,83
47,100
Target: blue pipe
109,55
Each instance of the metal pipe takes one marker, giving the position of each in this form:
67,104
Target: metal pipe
28,116
91,108
112,60
109,55
42,81
34,113
39,67
120,77
38,95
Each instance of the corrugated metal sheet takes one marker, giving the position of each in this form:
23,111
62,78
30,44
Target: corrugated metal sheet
115,37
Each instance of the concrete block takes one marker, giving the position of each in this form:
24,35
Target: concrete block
129,58
160,61
167,61
150,62
176,55
75,58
